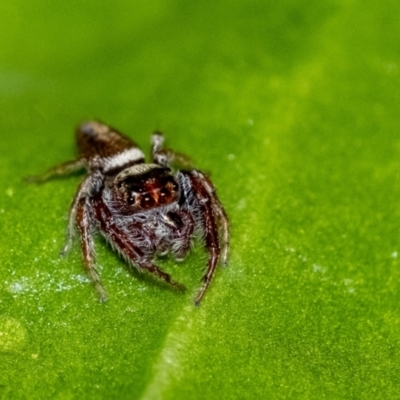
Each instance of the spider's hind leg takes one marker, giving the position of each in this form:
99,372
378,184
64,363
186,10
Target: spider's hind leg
165,157
58,170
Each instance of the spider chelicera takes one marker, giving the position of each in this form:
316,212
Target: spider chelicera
142,209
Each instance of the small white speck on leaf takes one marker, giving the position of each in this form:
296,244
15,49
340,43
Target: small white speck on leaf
241,205
349,285
319,268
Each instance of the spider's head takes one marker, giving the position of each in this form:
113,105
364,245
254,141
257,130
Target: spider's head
144,187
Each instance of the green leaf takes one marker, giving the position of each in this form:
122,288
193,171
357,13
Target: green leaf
293,108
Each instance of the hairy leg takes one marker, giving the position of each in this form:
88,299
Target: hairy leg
85,227
210,230
165,157
56,171
219,211
84,190
120,239
180,240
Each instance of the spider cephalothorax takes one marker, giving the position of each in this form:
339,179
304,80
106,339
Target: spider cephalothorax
143,187
142,209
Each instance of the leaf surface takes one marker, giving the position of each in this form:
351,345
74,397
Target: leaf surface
292,107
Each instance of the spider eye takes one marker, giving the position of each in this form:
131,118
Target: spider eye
147,202
131,200
165,196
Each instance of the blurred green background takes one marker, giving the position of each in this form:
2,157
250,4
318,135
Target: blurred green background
293,108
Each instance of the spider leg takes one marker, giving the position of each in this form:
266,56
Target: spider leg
208,202
219,212
71,227
224,223
85,227
121,240
183,247
84,190
58,170
165,157
184,226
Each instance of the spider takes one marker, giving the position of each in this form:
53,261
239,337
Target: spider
143,210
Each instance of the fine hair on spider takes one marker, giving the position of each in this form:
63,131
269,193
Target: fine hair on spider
143,210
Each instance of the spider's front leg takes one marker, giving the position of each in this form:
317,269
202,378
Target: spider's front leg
90,185
213,219
218,210
120,239
85,225
81,218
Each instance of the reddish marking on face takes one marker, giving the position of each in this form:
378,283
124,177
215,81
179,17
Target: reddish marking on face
157,192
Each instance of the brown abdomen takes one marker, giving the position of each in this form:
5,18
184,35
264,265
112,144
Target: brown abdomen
95,138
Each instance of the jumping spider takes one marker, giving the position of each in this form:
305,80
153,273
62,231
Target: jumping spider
142,209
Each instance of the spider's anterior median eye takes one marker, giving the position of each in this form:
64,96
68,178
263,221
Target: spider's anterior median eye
165,196
147,202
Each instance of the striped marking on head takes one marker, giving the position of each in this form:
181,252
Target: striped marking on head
137,170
